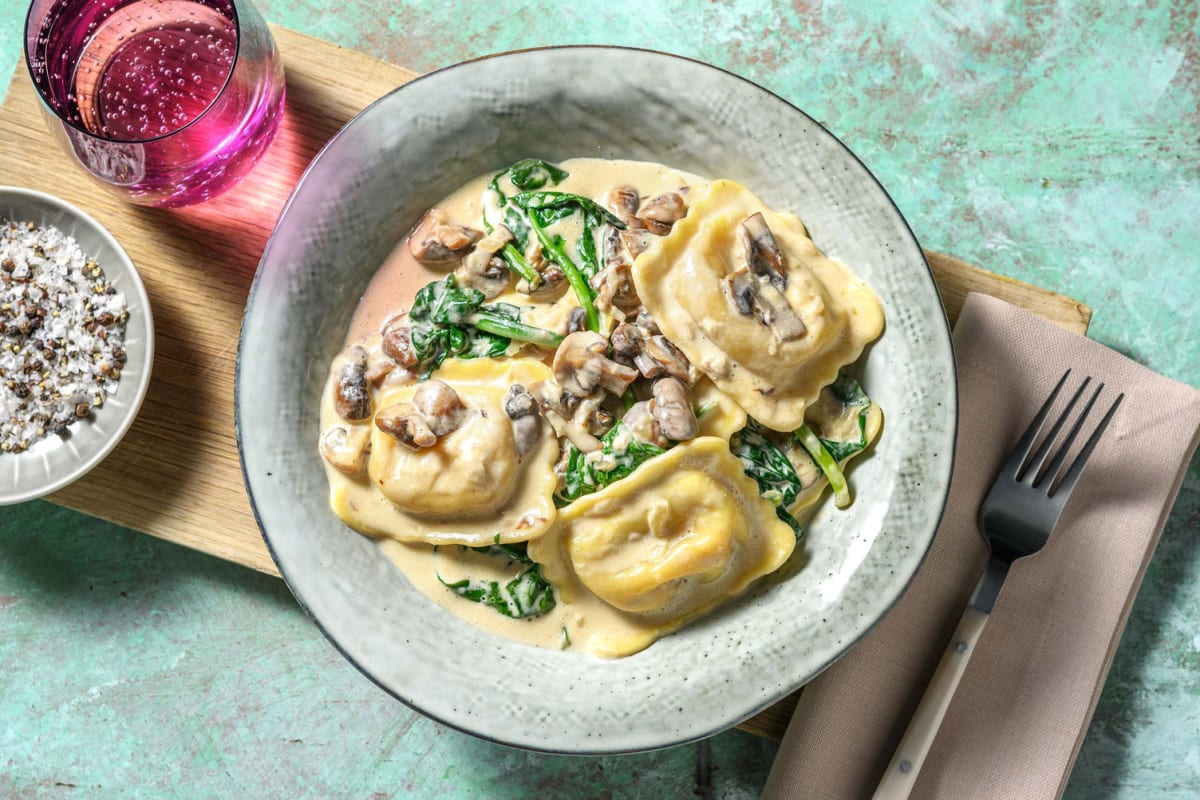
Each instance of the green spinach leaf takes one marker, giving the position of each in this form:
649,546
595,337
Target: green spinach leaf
527,595
851,394
528,174
525,175
770,468
452,321
586,475
544,209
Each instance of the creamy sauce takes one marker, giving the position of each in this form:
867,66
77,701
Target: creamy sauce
401,275
638,559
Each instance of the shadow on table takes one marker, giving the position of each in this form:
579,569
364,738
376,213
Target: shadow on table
731,764
1105,758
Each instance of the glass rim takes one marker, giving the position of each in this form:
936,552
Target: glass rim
78,126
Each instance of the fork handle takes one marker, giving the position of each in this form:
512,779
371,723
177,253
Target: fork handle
910,755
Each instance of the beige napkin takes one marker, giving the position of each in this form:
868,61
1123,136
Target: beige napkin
1019,716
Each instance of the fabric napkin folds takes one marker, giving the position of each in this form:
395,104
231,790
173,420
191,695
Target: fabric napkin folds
1019,716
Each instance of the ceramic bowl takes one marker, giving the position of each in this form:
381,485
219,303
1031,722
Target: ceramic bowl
53,461
359,198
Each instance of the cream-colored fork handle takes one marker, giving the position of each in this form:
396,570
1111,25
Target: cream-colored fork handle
910,755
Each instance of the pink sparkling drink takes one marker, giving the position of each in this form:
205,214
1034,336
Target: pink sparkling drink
171,102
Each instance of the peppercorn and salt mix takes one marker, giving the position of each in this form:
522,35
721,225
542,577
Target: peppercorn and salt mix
62,332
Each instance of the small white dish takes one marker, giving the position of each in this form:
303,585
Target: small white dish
57,461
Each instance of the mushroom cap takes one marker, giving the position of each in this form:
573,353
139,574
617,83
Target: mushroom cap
407,425
581,365
351,399
437,241
440,405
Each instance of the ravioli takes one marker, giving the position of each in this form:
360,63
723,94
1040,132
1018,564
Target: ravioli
679,280
470,488
685,532
717,413
581,405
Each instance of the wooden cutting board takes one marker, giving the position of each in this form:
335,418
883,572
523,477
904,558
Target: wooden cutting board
176,474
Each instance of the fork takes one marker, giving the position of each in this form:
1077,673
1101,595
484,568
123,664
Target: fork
1016,519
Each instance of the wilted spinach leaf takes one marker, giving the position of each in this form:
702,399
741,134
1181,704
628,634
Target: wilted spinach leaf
528,174
526,595
546,208
770,468
452,321
851,394
584,476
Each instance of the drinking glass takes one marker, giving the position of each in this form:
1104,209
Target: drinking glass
169,102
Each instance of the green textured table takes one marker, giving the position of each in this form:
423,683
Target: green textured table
1058,146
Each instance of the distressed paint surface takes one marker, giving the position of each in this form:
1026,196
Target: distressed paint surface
1058,143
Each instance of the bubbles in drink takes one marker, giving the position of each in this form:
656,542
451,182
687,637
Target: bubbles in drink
175,112
127,78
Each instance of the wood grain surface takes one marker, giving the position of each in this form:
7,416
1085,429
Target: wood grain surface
176,475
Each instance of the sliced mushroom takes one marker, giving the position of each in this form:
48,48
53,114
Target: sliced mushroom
642,425
549,398
763,255
437,241
757,287
577,435
491,277
636,241
646,324
404,423
624,202
564,461
586,411
347,449
535,256
646,364
551,280
397,345
614,284
483,268
519,402
640,344
582,366
626,342
522,410
672,407
784,321
592,416
612,246
661,212
526,432
351,399
562,400
660,351
755,296
441,407
576,320
378,372
741,287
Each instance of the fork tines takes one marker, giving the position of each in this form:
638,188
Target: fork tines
1031,467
